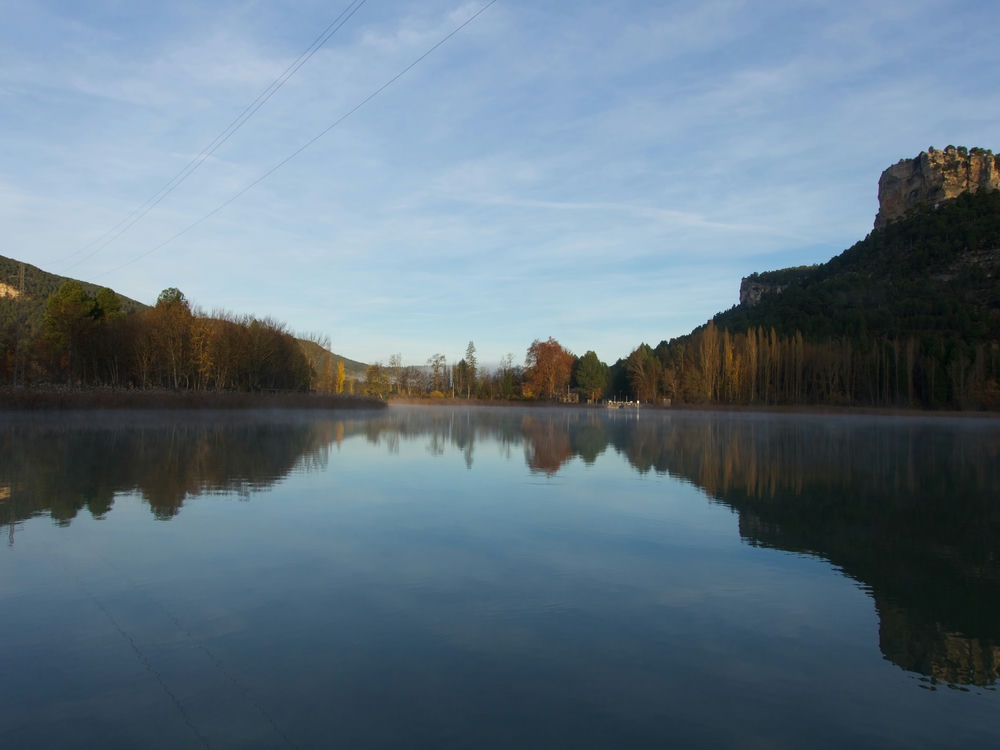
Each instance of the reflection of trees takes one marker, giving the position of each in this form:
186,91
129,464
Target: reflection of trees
548,437
908,508
60,469
547,444
590,440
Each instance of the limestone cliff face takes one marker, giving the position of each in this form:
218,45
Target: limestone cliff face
757,285
932,177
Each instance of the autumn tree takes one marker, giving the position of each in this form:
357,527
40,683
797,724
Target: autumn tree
709,362
395,372
316,347
461,377
376,381
324,376
411,378
223,355
170,322
339,385
547,369
439,375
201,352
644,373
272,358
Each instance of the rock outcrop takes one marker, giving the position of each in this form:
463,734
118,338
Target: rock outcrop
751,290
932,177
757,285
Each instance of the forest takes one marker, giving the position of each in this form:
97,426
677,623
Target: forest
909,317
91,339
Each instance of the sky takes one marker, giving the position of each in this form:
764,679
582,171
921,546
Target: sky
600,173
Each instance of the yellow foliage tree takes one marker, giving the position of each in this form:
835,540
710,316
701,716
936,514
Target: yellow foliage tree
340,376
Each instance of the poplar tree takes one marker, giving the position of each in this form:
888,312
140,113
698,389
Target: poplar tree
340,376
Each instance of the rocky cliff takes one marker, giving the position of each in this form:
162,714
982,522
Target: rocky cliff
751,290
755,286
934,176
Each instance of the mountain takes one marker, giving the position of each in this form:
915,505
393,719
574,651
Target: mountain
930,271
907,317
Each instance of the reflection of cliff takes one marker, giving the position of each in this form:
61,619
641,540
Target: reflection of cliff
926,648
58,469
907,508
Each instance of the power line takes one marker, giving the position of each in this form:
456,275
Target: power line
307,144
138,213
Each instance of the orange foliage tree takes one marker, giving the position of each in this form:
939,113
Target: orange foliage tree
548,368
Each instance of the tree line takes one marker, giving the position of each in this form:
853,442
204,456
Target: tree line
550,373
761,367
713,366
88,339
908,317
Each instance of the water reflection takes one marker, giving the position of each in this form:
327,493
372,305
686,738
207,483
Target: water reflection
909,508
59,466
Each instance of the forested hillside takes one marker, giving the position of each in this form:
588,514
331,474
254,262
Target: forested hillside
934,273
24,289
57,330
909,316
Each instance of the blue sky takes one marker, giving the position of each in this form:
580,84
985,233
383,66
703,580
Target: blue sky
603,173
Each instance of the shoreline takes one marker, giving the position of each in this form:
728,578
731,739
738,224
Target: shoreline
56,398
801,409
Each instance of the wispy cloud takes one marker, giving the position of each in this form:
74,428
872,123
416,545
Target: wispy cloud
601,172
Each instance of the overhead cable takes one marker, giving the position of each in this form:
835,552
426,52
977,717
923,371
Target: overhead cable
308,143
138,213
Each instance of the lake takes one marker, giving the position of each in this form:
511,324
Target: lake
434,577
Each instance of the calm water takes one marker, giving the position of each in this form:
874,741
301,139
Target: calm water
499,578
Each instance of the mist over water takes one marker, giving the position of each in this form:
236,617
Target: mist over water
435,577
